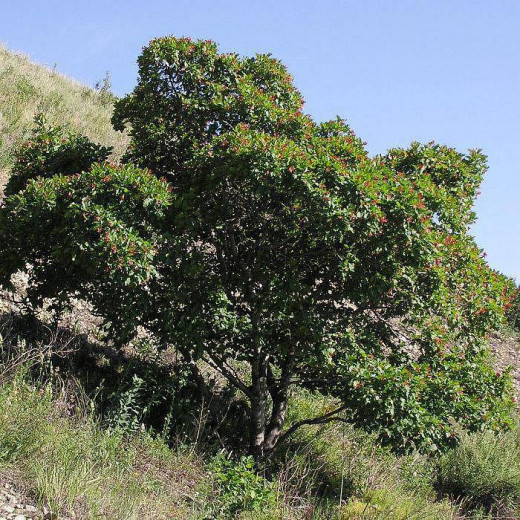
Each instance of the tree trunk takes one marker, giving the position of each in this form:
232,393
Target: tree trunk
276,423
266,438
279,391
259,397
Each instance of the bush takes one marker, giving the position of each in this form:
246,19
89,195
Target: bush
483,471
102,230
53,151
240,489
276,242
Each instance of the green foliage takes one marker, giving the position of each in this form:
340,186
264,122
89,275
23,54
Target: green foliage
346,460
144,393
52,151
127,415
262,237
348,467
484,471
188,93
239,487
417,404
100,238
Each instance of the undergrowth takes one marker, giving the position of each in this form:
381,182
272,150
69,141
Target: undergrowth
483,472
127,450
73,465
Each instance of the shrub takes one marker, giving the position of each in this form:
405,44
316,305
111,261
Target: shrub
52,151
240,489
99,240
483,471
276,242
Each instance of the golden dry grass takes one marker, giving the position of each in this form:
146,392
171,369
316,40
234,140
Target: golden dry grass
27,88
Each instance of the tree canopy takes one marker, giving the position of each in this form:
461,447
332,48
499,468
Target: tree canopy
245,234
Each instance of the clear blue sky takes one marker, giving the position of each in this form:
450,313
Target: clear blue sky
397,70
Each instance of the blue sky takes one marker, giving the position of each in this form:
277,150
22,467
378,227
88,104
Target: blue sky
397,70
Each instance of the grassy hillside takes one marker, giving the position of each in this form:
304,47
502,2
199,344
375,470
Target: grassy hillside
27,88
92,433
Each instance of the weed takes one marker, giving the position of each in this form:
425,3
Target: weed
240,488
483,471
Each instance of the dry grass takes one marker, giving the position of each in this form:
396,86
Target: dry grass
27,88
67,462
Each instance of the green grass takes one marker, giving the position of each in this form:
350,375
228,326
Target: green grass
483,472
480,478
350,469
27,88
72,464
53,438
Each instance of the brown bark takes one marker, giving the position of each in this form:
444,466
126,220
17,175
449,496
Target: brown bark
280,395
259,396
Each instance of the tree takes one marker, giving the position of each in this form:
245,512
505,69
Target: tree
262,239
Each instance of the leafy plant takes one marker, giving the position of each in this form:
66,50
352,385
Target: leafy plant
240,489
127,414
52,151
254,236
81,238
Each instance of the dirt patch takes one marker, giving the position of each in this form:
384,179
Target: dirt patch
18,503
505,346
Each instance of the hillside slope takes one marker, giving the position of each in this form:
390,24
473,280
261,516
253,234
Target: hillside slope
27,88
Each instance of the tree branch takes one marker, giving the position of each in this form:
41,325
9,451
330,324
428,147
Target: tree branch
324,419
220,365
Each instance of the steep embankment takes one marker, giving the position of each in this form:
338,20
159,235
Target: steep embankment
27,88
505,346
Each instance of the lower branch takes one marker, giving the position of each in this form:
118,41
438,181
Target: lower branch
323,419
219,365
